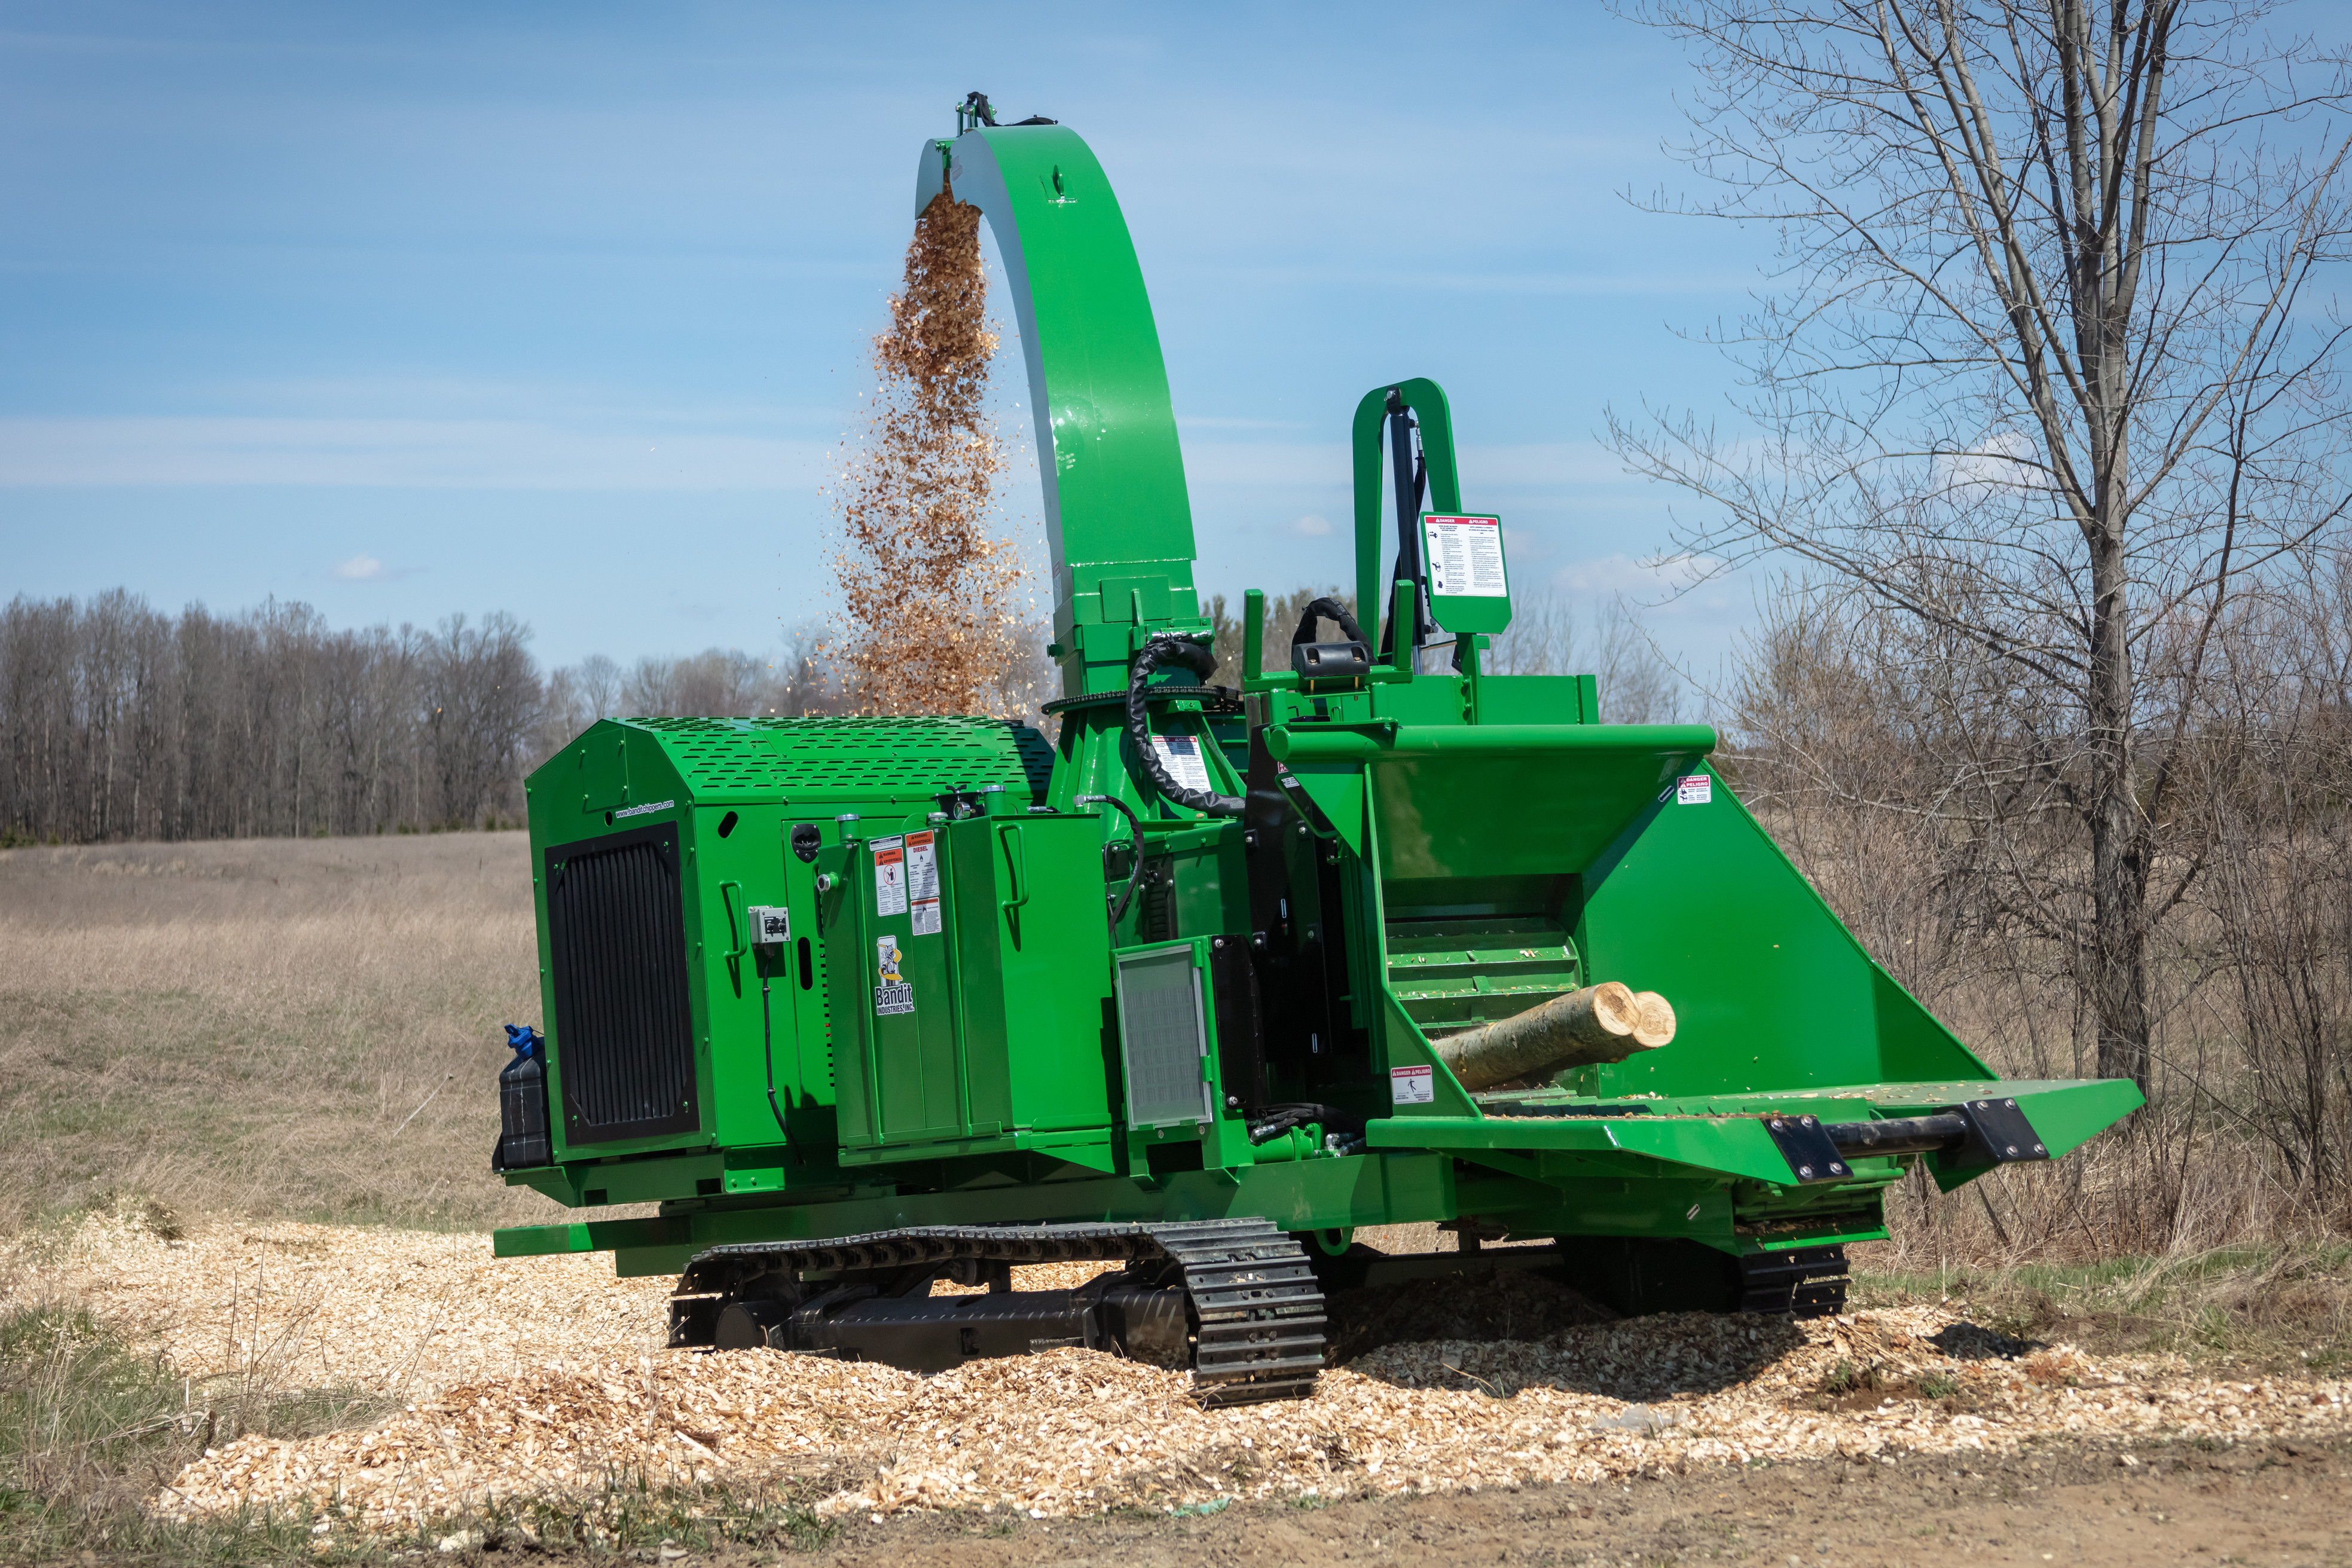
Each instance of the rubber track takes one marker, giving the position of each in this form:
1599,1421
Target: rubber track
1259,1312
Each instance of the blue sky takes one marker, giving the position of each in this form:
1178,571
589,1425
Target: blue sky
561,310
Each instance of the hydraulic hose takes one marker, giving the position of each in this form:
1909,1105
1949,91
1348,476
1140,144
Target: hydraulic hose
768,1049
1188,655
1276,1120
1326,610
1135,871
1409,564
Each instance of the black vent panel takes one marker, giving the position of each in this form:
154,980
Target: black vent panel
624,1031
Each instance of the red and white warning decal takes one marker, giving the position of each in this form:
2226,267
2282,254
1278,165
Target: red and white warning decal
1412,1085
923,882
1466,556
1694,790
890,876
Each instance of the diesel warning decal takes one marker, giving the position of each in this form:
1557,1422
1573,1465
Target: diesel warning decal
923,882
893,993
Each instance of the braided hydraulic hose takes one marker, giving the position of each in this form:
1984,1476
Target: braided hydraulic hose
1188,655
1327,610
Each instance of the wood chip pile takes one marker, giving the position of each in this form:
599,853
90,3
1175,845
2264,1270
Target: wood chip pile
1074,1431
387,1311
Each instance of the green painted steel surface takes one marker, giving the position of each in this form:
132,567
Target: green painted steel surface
940,1037
1118,519
1375,535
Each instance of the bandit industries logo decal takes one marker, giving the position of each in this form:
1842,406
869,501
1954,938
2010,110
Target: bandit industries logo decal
893,993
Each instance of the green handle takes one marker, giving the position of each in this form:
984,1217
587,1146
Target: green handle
741,946
1314,743
1016,861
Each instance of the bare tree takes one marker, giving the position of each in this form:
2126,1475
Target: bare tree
805,684
1550,637
1282,613
2048,380
485,693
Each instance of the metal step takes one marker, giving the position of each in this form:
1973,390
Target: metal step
1805,1282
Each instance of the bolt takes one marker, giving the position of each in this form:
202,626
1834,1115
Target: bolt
1805,1171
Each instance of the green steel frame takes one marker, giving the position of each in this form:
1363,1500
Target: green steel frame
1457,843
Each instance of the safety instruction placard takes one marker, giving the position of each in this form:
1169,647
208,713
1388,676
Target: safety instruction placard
923,881
890,876
1412,1085
1180,755
893,993
1694,790
1466,556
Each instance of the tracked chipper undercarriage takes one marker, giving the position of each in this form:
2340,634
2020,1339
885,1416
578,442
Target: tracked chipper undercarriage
1227,969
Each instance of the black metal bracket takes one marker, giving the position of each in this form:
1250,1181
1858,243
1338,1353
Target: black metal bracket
1330,661
1215,701
1805,1144
1999,1134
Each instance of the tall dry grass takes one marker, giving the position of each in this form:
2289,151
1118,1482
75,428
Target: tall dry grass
306,1027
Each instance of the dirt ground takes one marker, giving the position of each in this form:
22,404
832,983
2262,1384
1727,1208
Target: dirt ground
2251,1503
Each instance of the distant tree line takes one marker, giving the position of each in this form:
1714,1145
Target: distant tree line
120,721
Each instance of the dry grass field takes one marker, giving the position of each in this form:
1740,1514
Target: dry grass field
250,1026
246,1117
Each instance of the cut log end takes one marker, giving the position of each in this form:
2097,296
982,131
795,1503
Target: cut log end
1600,1024
1656,1024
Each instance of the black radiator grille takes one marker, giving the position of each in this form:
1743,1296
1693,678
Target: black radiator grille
623,1045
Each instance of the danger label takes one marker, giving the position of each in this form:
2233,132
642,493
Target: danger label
890,876
1412,1085
892,991
923,881
1466,556
1694,790
1180,755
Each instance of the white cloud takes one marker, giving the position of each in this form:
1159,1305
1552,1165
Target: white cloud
1638,577
1191,421
452,454
1313,526
361,568
1486,470
2001,462
1261,462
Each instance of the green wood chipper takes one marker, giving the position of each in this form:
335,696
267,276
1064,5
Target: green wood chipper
1224,972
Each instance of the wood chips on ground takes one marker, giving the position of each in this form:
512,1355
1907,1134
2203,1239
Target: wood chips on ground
542,1375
